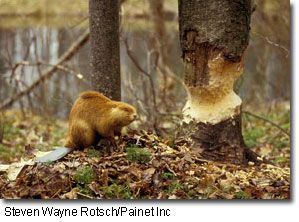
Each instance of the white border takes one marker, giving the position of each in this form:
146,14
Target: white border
231,211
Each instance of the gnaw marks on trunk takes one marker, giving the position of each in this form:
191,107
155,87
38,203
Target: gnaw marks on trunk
214,35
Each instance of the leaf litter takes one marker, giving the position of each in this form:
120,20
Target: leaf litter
168,173
144,166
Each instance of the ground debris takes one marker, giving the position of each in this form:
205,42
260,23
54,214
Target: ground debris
167,172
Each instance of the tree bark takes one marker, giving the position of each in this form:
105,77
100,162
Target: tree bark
104,42
214,35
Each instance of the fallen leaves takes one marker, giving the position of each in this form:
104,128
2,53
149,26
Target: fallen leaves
24,135
156,168
13,170
167,175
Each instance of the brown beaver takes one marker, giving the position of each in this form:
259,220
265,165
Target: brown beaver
94,116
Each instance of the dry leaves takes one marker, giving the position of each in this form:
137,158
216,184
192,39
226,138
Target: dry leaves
172,172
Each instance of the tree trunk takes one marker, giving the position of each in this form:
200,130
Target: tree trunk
104,42
214,35
161,38
160,43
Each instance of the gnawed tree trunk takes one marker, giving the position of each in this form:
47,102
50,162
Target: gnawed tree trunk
104,42
214,35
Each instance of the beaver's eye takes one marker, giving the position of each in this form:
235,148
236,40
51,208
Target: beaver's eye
126,109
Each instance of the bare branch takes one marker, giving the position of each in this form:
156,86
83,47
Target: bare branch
49,72
268,121
65,69
131,56
273,43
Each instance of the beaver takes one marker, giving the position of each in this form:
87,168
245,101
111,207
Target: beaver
94,116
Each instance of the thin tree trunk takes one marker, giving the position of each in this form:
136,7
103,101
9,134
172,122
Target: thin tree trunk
160,43
157,14
214,35
104,42
48,72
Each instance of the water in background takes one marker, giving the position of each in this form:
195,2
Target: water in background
266,78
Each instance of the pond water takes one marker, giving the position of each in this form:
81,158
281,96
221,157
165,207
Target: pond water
46,45
266,77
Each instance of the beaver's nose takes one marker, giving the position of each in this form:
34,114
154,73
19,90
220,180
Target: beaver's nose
135,116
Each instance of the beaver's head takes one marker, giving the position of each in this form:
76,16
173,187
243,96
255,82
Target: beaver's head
124,113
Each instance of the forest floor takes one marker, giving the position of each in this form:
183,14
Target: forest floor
144,166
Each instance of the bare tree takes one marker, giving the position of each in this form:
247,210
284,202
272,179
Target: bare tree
104,39
157,16
214,35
